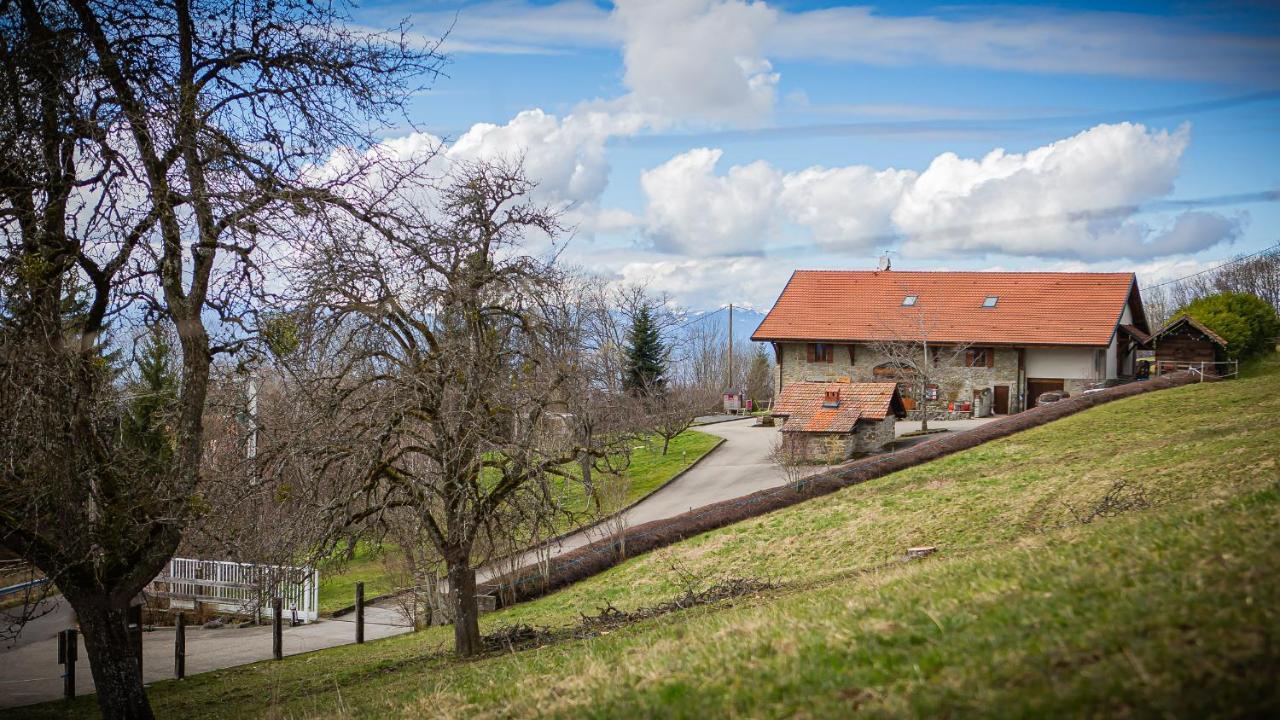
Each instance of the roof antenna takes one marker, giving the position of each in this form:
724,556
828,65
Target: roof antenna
885,261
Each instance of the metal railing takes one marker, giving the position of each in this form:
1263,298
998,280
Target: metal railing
239,588
1216,370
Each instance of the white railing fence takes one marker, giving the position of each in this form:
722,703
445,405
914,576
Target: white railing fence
239,588
1218,370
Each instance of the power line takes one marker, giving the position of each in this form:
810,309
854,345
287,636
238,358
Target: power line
1232,261
700,318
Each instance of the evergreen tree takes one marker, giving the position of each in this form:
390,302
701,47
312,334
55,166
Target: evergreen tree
1247,322
759,377
145,426
646,355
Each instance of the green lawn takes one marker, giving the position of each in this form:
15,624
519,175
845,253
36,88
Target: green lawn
1169,607
338,578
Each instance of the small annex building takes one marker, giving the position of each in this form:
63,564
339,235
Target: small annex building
832,421
1186,342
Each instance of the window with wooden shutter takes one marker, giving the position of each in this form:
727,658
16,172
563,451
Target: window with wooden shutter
821,352
979,357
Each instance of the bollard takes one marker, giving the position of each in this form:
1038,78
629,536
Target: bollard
67,651
180,648
359,612
277,629
135,633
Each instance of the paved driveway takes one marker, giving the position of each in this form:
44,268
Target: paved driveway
32,673
739,466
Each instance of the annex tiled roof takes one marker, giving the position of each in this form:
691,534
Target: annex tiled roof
802,402
1031,308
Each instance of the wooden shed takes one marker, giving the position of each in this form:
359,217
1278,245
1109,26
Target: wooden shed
1185,342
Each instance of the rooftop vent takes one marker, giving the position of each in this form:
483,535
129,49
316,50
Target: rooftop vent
831,399
909,300
885,262
990,301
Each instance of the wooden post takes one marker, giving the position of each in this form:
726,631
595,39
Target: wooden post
180,648
67,651
135,633
277,629
359,612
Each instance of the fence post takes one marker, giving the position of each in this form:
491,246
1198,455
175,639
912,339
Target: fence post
180,648
277,629
67,651
135,633
359,612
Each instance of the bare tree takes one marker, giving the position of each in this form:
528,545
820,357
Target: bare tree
454,374
674,409
150,152
928,371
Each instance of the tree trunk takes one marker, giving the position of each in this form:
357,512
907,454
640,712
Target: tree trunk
924,406
116,675
588,486
666,441
466,615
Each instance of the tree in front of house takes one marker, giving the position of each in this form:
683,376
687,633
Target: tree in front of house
646,368
1247,322
760,377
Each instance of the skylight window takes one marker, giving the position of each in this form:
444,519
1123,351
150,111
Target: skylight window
990,301
909,300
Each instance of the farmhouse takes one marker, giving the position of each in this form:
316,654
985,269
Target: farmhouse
1021,333
832,421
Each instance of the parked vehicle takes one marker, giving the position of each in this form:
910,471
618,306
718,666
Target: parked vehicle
1052,396
1098,386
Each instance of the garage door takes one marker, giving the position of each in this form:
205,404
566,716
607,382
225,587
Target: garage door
1036,386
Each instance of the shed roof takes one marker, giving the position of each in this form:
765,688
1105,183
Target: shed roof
802,404
1187,321
1030,308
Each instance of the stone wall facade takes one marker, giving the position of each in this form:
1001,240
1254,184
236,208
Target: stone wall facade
868,436
794,366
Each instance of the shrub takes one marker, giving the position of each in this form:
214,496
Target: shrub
1247,322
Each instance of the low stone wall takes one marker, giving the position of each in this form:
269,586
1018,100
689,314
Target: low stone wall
602,555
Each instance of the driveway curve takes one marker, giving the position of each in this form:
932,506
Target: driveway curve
739,466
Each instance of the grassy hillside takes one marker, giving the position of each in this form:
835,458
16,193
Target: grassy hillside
1120,561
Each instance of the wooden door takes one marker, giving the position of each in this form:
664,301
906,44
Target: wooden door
1000,405
1036,386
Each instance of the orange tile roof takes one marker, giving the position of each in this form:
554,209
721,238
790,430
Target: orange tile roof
802,402
1034,308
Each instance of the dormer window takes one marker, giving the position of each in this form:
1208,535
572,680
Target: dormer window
909,300
991,301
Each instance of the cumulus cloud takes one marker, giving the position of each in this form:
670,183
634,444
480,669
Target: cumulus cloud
698,60
693,210
1076,198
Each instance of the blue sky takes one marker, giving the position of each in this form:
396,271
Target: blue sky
709,147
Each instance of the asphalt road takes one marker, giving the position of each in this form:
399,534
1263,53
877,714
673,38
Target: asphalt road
739,466
32,673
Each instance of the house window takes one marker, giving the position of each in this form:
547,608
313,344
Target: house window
821,352
909,300
980,357
991,301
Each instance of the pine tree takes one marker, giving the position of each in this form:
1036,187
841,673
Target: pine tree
759,377
145,424
646,355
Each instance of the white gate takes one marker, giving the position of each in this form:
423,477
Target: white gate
239,588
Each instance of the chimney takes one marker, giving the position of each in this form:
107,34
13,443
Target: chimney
885,262
832,399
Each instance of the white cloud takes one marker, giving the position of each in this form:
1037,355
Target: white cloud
698,60
1002,37
1073,199
1099,43
692,210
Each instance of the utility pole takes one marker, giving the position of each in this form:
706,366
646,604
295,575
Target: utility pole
731,388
